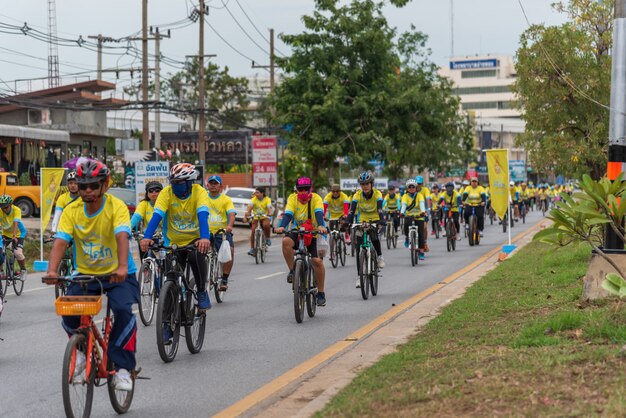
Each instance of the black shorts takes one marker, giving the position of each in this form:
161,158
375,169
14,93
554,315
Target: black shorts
312,247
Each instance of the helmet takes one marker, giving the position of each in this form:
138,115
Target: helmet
304,182
465,182
183,171
449,184
435,186
512,184
419,179
5,199
391,187
366,177
335,188
71,176
153,185
411,182
91,170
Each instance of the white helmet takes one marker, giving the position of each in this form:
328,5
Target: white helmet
465,182
411,182
512,184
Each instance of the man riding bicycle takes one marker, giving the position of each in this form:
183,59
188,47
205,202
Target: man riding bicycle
221,216
185,207
99,226
13,230
435,210
425,192
306,210
414,209
391,206
336,208
474,197
452,200
261,206
368,202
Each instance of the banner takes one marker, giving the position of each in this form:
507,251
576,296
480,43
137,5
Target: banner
50,188
147,171
351,184
264,163
497,166
517,168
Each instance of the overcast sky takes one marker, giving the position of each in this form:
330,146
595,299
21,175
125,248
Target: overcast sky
480,27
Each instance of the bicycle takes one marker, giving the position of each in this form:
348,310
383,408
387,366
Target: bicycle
178,307
150,280
451,232
506,221
77,390
65,268
544,206
215,270
9,277
523,209
492,215
260,246
391,234
367,261
413,240
304,284
473,233
337,244
436,224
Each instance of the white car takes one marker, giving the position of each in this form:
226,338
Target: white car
241,198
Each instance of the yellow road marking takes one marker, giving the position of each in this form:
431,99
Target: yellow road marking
292,375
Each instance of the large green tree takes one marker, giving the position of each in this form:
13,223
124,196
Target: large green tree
563,86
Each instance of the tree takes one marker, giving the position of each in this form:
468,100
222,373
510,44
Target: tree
563,86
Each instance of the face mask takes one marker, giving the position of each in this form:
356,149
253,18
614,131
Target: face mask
449,192
304,196
181,189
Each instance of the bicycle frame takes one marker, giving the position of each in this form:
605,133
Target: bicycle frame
88,327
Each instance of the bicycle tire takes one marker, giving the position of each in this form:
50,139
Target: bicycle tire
374,277
257,246
18,285
471,235
412,248
389,235
449,236
505,222
311,300
436,228
195,323
4,288
263,250
333,243
524,214
168,314
217,273
342,251
395,238
120,399
81,407
476,231
299,285
363,274
147,275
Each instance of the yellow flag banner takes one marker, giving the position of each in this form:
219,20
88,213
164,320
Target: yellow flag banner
498,168
50,189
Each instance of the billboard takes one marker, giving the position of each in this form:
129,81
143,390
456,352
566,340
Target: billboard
517,169
351,184
147,171
264,162
223,147
473,64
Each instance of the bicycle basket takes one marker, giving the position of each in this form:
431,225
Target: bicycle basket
78,305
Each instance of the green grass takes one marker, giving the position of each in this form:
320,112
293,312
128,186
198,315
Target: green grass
519,343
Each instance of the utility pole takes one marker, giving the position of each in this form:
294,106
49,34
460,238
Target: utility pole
145,134
617,119
451,28
201,140
101,39
157,80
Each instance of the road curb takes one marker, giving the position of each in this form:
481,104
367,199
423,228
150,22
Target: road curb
307,387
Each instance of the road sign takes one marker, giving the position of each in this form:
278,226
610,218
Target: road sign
264,162
147,171
517,169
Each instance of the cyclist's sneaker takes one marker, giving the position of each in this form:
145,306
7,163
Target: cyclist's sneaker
426,249
381,262
79,366
122,380
252,252
358,283
268,242
23,274
223,285
204,302
290,276
406,242
321,299
422,256
168,334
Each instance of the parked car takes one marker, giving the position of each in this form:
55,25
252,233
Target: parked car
126,195
241,198
24,197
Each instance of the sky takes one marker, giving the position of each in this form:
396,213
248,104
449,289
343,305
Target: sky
480,27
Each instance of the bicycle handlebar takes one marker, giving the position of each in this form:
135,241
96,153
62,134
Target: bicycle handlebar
79,278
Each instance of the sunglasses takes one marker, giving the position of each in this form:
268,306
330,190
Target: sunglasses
303,189
5,206
154,189
92,186
411,187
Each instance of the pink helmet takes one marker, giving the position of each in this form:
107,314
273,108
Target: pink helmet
304,182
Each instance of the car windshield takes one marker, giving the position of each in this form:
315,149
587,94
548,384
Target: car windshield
242,194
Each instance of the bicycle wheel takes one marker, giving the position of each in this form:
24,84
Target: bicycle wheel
147,275
257,246
449,235
168,317
77,390
18,285
195,322
476,231
263,250
341,244
374,276
389,235
59,288
505,222
413,247
334,245
524,214
436,227
472,230
299,289
364,274
311,292
215,278
120,399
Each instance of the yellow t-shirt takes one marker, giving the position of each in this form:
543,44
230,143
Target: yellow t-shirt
7,221
261,207
392,204
473,195
425,191
300,211
335,206
219,209
418,209
95,244
368,208
180,216
145,210
65,199
451,202
524,194
435,198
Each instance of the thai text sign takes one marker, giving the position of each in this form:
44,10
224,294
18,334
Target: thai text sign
264,163
147,171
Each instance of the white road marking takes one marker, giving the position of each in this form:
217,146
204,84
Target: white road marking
270,275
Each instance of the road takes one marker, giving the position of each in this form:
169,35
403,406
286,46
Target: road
251,338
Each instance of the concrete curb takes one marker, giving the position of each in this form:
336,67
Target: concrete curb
313,390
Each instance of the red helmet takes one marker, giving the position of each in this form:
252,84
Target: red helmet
91,170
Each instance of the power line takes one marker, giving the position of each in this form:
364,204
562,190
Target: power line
256,28
228,43
242,29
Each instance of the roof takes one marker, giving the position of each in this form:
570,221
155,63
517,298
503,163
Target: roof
24,132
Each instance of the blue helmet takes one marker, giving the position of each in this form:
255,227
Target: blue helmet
366,177
419,179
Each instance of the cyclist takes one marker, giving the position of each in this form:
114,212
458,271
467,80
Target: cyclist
260,205
65,199
425,192
435,209
100,230
221,216
145,208
368,202
452,200
391,205
13,230
336,207
185,208
413,209
514,198
475,197
524,197
306,210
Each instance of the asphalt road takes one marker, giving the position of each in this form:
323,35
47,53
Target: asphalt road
251,338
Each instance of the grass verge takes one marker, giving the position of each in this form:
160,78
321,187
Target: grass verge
518,343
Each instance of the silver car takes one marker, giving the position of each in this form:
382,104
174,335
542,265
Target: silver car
241,198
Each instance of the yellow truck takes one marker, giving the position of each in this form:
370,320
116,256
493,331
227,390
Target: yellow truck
27,198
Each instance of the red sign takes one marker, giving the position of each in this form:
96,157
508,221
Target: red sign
264,162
